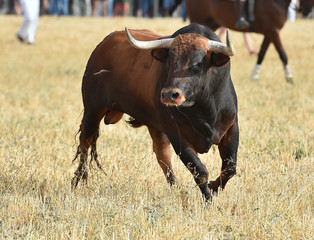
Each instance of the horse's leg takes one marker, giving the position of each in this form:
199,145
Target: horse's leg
261,55
228,148
161,147
282,54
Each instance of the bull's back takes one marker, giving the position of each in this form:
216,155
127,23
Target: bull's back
113,53
120,76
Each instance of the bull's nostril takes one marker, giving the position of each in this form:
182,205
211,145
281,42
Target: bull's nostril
174,96
171,96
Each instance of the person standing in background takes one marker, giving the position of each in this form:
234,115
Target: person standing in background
97,5
121,8
166,5
10,7
30,9
103,8
145,8
59,7
184,12
63,7
53,7
80,7
110,8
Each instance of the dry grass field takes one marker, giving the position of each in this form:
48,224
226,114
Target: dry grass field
271,197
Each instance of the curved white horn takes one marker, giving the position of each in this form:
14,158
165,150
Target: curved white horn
226,49
160,43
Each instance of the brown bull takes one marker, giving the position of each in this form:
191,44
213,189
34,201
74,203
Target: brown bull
179,87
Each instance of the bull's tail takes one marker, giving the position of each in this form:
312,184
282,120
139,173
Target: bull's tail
82,153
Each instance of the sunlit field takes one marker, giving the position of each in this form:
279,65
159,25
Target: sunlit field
271,197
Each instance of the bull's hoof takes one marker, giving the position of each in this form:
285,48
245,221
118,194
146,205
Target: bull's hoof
171,180
212,185
207,199
78,175
206,192
74,182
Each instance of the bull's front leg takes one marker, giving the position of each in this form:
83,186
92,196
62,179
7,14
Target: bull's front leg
228,148
200,173
161,147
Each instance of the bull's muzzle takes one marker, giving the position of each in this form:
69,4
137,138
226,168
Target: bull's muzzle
172,97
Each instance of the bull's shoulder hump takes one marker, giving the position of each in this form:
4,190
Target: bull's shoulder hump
139,34
145,34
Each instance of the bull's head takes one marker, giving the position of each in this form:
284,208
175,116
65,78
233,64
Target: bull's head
189,57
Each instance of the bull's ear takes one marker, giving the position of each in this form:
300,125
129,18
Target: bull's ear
160,54
218,59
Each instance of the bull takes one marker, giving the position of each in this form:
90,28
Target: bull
179,87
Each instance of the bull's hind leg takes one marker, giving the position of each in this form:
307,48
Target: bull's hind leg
161,147
228,148
89,132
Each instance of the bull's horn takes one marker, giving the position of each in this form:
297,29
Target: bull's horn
160,43
230,46
226,49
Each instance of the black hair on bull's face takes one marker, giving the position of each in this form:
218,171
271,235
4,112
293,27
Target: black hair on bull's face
199,29
189,63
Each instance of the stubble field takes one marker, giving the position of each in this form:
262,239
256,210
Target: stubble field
271,197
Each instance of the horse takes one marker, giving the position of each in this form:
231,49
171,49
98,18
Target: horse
269,17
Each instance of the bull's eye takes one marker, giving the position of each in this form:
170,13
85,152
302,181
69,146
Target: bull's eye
196,68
